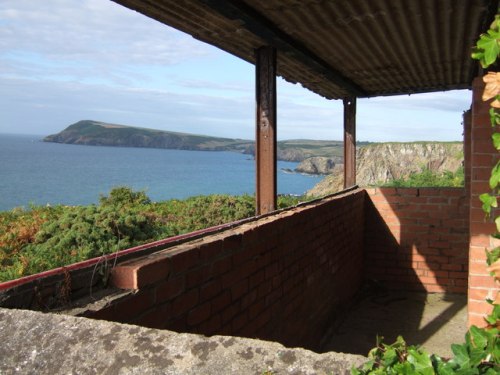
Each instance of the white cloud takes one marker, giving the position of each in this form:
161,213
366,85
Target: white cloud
67,60
89,37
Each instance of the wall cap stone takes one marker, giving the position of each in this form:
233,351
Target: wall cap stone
34,342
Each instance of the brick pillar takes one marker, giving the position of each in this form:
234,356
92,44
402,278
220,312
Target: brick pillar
467,119
483,157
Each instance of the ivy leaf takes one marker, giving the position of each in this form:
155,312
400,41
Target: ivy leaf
494,115
421,361
496,140
491,371
496,350
493,255
446,368
495,176
390,357
477,340
489,201
461,355
404,368
478,337
489,45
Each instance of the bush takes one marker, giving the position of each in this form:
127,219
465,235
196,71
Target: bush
43,238
428,178
79,233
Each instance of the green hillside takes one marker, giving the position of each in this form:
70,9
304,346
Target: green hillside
95,133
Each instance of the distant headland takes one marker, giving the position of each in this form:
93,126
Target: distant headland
96,133
376,162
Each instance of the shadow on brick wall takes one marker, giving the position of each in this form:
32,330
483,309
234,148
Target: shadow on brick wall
416,240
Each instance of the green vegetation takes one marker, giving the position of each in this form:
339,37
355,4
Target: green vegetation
309,148
43,238
479,354
428,178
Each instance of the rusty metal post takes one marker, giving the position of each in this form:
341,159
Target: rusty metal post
349,142
265,145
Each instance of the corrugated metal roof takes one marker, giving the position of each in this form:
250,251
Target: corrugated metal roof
341,48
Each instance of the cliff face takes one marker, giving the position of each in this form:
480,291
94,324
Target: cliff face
378,164
317,165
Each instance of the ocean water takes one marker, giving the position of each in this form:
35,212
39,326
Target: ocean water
37,172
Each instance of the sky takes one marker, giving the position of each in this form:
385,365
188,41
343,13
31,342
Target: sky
62,61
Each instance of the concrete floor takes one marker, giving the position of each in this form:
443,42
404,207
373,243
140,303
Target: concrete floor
433,321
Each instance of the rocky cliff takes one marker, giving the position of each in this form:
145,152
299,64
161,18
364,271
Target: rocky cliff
318,165
378,164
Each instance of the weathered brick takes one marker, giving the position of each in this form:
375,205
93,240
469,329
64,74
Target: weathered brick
182,260
197,277
211,250
239,321
221,266
228,313
185,302
211,326
155,318
239,289
134,305
199,314
210,290
170,289
140,273
221,302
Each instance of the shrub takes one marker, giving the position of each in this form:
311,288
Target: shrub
43,238
428,178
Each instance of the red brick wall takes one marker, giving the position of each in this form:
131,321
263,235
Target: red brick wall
417,238
483,158
283,277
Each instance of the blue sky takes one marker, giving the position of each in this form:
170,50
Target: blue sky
62,61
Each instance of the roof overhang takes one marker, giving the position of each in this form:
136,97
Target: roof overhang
342,48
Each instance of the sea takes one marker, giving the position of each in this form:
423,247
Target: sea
33,172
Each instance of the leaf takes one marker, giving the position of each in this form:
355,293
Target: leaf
492,87
390,357
489,201
421,360
404,368
494,115
489,45
496,140
492,371
477,54
494,268
447,368
478,337
492,256
495,176
461,355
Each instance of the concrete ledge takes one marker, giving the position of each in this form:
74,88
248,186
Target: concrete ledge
33,342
